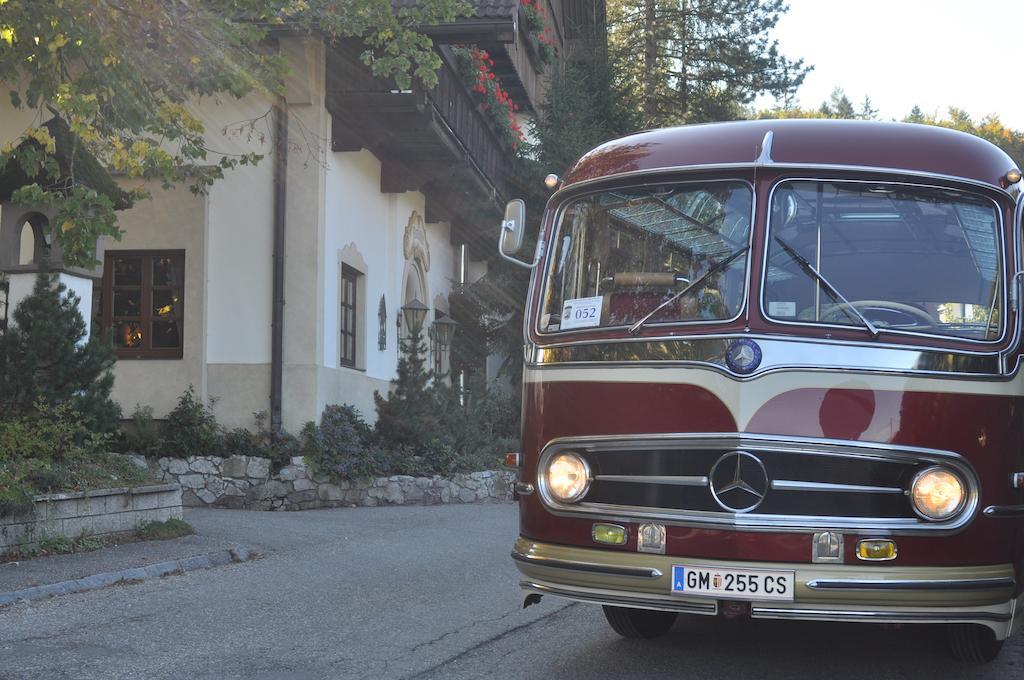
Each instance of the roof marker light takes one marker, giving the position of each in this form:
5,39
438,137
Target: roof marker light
1013,176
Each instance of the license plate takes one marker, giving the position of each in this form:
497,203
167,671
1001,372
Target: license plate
733,584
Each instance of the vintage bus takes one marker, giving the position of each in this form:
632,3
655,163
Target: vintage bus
773,369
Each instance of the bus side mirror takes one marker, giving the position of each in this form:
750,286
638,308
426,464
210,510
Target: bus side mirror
513,231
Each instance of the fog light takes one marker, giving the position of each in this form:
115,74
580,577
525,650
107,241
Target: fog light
650,538
610,534
876,550
568,477
937,493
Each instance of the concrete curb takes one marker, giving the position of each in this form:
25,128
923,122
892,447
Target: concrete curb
130,576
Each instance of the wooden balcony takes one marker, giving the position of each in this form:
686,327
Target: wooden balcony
433,140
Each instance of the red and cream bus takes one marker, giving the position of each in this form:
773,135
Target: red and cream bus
773,369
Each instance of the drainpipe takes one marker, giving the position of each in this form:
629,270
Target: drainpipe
277,313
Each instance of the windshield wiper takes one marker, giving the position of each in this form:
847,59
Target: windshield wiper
829,288
713,269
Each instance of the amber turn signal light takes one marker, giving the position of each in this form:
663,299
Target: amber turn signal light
512,460
609,534
876,550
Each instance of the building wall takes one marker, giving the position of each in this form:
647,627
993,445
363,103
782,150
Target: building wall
240,253
366,230
335,215
170,220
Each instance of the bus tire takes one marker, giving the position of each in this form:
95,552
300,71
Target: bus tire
973,642
639,623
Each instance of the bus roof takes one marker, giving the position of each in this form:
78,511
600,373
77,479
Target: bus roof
855,144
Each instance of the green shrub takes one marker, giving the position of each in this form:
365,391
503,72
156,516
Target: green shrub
14,498
243,442
339,446
45,358
141,434
48,433
280,448
191,429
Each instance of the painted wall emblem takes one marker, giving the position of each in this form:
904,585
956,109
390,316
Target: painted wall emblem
414,243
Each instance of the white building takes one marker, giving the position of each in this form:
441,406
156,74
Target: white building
371,206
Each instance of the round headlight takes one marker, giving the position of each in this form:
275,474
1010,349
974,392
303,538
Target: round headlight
568,477
937,493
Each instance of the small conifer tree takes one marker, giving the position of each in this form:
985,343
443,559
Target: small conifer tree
408,415
45,357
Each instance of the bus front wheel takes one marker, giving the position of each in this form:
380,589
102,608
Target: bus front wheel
639,623
972,642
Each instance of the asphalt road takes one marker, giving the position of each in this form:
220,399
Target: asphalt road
415,592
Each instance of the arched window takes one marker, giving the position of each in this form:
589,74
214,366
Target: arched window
27,252
32,244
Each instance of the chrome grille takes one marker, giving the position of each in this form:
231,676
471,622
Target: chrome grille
758,482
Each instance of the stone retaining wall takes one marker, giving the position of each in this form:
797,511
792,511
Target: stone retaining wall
246,482
90,513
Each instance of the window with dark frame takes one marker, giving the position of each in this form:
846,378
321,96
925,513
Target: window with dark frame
349,283
143,302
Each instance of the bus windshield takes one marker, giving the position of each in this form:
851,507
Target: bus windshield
906,258
621,253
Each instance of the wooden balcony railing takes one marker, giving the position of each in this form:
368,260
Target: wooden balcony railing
422,136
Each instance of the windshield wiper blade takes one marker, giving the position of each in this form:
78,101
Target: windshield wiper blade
713,269
832,290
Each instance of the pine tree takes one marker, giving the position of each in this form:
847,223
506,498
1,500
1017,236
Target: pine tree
46,358
839,105
408,415
916,115
691,61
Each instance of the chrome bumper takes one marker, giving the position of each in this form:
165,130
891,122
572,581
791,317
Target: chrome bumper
823,592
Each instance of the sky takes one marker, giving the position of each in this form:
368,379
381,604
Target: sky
933,53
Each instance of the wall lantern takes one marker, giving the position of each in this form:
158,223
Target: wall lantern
413,314
441,333
444,331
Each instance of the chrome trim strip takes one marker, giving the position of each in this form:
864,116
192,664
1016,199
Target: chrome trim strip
1000,229
1014,344
586,184
876,616
795,485
911,584
543,273
625,600
678,480
590,567
999,622
1004,511
753,521
778,354
766,149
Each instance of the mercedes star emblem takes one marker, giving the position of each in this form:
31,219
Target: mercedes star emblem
739,481
743,356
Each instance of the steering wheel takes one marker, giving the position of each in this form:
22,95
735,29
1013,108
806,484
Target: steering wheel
890,316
